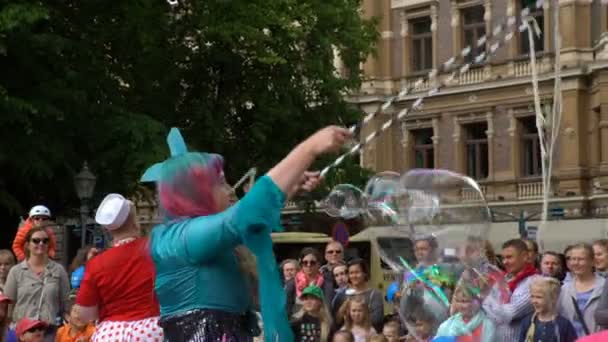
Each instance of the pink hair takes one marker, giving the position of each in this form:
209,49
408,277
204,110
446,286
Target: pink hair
189,192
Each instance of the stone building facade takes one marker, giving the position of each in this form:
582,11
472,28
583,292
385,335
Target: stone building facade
482,124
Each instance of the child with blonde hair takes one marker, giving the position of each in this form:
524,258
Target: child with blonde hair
355,315
545,324
7,261
469,322
313,321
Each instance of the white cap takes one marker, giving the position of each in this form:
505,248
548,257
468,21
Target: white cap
40,210
113,211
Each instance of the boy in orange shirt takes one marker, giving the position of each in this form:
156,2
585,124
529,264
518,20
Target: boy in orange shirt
75,330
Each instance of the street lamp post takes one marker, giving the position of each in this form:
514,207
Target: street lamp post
84,182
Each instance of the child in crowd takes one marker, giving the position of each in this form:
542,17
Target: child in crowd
340,277
7,260
38,216
6,334
469,322
76,269
423,326
391,331
545,324
343,336
378,338
312,322
75,330
355,315
30,330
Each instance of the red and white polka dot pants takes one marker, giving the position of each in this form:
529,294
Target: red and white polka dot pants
146,330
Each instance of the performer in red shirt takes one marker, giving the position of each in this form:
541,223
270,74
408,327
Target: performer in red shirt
118,285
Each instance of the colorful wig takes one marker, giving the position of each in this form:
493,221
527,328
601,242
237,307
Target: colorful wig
186,185
186,180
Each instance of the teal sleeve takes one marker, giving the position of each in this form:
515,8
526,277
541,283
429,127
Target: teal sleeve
259,210
257,239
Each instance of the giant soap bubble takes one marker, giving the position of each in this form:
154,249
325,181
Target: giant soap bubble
382,193
448,208
345,201
448,219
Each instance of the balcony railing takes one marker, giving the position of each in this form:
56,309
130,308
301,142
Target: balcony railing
419,83
471,195
530,190
523,68
472,76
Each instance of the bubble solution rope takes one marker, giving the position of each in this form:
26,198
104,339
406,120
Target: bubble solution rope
507,34
547,123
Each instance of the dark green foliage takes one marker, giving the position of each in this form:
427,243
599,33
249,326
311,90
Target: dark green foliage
103,81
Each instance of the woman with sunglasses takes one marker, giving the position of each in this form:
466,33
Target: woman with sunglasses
39,286
39,215
310,274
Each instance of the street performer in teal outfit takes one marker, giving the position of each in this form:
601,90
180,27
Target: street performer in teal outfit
203,281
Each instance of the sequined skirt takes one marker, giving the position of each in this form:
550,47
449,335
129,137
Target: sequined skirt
210,326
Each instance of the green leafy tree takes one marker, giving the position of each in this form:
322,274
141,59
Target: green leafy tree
103,81
259,75
62,103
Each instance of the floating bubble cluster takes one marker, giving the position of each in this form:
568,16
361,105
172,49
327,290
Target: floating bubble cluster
445,216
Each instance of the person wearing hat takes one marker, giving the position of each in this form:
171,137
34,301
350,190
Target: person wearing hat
39,215
118,285
6,334
203,284
30,330
313,321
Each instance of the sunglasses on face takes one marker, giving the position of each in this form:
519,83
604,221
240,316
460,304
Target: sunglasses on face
37,241
35,330
309,262
40,218
333,251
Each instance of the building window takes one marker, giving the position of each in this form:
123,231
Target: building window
424,153
477,150
539,41
473,28
422,44
531,157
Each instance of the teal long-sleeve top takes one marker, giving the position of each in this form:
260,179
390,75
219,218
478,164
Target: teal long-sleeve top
196,267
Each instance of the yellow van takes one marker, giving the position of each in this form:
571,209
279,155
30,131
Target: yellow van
365,245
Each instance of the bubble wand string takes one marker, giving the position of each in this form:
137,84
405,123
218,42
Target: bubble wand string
447,66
